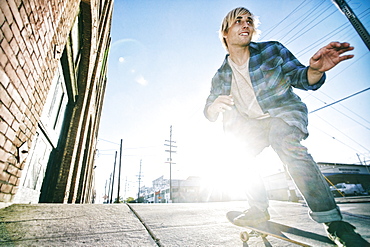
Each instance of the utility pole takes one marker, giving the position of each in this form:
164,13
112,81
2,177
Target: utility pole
119,171
109,187
114,172
139,178
360,29
105,190
171,146
125,189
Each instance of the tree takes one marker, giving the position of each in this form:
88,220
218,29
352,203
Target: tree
130,199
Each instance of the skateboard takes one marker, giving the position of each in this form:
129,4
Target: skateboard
280,231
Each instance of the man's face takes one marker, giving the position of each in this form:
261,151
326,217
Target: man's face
240,32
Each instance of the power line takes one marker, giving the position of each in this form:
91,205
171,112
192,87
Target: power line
126,148
343,134
347,115
338,30
343,143
350,96
302,20
108,141
326,37
268,31
306,16
331,79
301,32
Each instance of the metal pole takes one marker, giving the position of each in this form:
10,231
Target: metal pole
119,172
170,159
360,29
114,172
125,189
109,187
171,163
138,193
105,190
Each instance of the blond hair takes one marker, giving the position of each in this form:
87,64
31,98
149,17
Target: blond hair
230,19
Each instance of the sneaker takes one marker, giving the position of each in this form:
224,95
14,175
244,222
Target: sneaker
343,234
252,216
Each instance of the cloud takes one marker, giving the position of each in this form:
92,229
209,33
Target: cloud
141,80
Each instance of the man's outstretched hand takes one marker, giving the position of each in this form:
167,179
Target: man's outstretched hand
329,56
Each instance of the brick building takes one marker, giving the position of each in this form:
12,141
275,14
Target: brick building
53,61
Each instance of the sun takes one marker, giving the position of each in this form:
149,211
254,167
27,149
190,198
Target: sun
234,172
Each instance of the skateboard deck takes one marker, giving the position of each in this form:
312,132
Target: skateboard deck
280,231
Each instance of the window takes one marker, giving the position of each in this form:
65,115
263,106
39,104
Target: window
54,109
75,39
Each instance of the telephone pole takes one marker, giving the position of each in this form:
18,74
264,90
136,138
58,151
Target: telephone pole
127,186
119,172
139,178
360,29
114,171
109,188
105,191
169,160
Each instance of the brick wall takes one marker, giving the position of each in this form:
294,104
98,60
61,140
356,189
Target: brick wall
32,35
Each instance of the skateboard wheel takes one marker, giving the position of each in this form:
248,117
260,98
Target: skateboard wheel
244,236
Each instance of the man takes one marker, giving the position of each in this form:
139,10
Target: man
253,90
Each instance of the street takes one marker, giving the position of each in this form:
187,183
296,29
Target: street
192,224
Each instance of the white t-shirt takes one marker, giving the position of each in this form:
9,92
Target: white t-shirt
242,91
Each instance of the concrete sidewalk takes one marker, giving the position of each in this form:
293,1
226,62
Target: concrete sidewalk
205,224
192,224
71,225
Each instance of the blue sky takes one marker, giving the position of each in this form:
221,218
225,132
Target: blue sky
163,56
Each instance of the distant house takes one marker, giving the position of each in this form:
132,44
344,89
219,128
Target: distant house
281,187
346,173
182,190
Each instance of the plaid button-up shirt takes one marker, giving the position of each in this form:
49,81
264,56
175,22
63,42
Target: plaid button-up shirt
274,70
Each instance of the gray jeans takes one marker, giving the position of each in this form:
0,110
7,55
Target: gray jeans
257,134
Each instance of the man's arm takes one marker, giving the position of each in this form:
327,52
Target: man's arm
221,104
313,76
327,58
